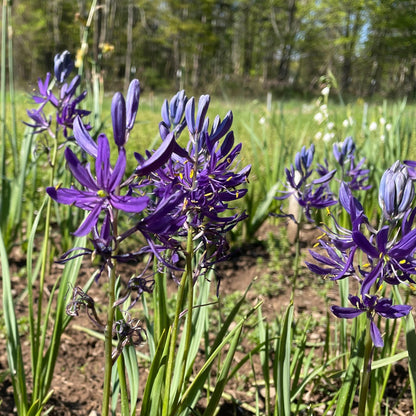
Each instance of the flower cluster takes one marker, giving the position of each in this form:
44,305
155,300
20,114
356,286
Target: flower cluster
65,103
318,193
178,190
375,258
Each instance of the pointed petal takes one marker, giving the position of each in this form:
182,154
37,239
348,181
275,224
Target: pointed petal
83,138
89,222
132,103
347,313
118,171
102,163
80,173
129,203
159,157
375,335
359,239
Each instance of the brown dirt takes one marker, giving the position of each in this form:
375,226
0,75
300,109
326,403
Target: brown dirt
79,372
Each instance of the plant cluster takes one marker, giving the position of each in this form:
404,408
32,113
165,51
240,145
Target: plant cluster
177,197
373,261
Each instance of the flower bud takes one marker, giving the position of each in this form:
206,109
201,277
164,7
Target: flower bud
132,103
63,65
304,158
396,192
118,115
344,151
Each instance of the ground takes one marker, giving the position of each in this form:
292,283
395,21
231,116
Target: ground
79,372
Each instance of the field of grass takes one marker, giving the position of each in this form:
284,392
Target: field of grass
287,368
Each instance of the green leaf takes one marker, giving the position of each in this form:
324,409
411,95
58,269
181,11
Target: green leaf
351,379
13,347
411,348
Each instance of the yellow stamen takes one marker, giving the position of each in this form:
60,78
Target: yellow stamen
101,193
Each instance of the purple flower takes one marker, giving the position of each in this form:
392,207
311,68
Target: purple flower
132,103
101,193
63,65
336,265
118,116
392,262
372,305
396,192
66,103
304,159
195,186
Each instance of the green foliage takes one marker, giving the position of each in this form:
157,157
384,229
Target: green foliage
257,46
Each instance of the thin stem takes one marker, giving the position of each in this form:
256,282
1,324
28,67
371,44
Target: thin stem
108,340
39,341
188,327
366,375
175,327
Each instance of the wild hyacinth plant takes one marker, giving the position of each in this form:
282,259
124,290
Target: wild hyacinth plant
375,261
59,97
178,199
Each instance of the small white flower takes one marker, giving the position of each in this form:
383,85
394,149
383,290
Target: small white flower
325,91
382,137
327,137
318,136
373,126
323,108
331,125
388,126
319,117
262,120
382,121
345,123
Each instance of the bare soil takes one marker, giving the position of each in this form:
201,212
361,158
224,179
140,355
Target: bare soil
79,372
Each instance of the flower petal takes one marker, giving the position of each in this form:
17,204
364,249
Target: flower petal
89,222
83,138
80,173
347,313
158,158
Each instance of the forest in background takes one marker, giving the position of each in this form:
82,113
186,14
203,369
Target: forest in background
243,47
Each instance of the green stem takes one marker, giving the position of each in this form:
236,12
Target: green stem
121,368
175,327
108,341
38,343
366,374
188,327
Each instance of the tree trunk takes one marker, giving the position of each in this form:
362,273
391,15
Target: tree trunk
129,45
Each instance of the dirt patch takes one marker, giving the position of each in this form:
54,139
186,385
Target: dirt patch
80,368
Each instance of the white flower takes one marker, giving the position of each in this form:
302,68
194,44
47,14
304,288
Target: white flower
345,123
325,91
323,108
388,126
327,137
262,120
382,121
318,136
319,117
331,125
373,126
382,137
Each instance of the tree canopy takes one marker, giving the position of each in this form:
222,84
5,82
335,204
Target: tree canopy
368,46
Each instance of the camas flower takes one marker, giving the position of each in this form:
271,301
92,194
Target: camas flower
390,261
371,305
63,65
309,193
65,103
396,192
195,186
101,193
